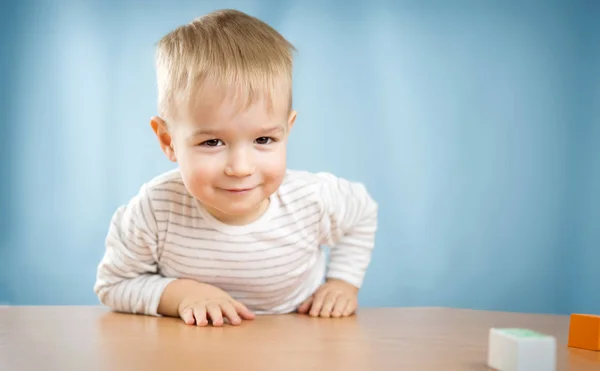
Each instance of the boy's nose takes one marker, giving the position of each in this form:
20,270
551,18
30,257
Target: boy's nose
239,164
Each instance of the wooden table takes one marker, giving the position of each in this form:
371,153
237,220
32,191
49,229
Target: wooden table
412,339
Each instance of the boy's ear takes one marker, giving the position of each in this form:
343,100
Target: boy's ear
164,138
291,120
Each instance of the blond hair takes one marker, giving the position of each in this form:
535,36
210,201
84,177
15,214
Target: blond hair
222,53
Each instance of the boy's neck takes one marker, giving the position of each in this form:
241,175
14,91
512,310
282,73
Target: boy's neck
239,220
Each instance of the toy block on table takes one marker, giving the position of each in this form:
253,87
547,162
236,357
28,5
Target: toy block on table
515,349
584,331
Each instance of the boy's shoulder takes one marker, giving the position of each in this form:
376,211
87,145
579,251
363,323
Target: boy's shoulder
169,178
168,184
307,184
308,178
322,178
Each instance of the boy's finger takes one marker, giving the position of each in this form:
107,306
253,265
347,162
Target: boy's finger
339,307
200,316
242,310
188,316
317,303
350,308
305,306
328,305
229,311
214,311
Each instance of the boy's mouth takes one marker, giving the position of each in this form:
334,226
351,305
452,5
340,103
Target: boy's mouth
238,190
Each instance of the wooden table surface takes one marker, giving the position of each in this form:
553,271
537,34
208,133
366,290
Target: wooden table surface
412,339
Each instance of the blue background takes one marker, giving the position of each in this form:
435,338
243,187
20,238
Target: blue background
475,125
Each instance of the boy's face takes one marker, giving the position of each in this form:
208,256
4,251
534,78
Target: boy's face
230,161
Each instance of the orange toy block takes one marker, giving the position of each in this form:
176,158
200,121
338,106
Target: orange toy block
584,331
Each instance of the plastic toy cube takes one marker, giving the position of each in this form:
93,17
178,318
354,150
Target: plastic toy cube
584,331
514,349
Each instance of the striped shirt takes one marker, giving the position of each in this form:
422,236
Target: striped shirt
271,265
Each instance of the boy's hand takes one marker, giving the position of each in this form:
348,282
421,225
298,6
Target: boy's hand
197,303
209,302
335,298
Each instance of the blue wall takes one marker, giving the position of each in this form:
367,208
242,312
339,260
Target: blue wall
474,124
583,251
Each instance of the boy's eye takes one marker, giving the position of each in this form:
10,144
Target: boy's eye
211,143
263,140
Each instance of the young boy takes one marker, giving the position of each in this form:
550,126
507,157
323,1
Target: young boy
232,232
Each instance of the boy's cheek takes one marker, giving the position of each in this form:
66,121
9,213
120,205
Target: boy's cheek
196,164
197,173
275,162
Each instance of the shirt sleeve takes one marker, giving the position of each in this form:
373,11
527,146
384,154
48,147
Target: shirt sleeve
348,227
127,277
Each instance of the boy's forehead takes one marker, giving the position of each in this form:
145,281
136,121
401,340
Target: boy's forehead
222,116
217,110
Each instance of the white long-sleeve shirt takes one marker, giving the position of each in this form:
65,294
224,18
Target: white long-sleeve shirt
271,265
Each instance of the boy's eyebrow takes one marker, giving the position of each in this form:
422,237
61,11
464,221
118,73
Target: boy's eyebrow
210,132
273,129
199,132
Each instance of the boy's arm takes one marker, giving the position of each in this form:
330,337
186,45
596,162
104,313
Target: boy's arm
348,227
127,277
